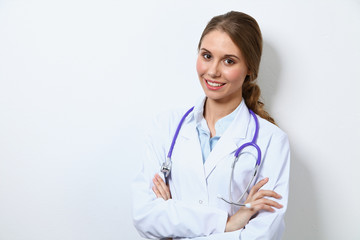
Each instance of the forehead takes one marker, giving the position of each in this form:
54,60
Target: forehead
219,42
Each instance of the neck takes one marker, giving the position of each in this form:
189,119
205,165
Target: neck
215,110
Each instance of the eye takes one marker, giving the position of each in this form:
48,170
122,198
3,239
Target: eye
206,56
229,61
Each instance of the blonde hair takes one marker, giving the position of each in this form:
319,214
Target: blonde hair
244,31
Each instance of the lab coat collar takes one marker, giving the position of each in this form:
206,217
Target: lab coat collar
231,139
228,143
190,123
236,130
198,111
189,126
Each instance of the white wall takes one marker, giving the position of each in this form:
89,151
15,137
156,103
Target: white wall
80,79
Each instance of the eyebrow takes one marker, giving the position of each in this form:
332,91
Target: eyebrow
226,55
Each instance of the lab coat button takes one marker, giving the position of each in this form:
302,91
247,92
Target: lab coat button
200,201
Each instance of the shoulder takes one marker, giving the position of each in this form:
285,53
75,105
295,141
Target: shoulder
271,130
170,117
165,123
275,146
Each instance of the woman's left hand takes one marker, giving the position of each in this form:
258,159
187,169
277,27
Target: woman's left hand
160,189
259,201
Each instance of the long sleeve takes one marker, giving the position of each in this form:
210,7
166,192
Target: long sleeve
187,216
157,218
267,225
276,166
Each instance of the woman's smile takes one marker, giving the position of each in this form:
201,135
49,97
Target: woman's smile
213,85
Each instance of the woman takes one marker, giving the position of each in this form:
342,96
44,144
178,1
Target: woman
194,203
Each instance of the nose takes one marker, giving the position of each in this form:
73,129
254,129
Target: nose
214,70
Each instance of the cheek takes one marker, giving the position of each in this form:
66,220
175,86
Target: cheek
233,75
200,67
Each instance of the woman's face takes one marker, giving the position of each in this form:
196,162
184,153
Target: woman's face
221,67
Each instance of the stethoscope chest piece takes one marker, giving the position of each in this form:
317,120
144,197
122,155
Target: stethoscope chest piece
166,167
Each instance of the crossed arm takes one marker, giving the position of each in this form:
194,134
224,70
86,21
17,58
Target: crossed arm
257,199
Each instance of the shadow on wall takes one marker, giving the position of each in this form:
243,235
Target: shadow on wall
302,221
269,74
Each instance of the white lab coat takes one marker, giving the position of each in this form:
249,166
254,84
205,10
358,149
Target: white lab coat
195,211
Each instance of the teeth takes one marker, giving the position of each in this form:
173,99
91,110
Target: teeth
214,84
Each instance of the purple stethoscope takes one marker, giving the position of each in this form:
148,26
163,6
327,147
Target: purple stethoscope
166,166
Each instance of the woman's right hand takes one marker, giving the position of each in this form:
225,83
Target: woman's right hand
258,202
160,189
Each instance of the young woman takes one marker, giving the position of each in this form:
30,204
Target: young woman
221,144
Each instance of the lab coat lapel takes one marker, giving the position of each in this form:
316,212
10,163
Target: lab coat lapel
192,156
230,140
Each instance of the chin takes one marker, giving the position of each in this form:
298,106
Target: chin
214,97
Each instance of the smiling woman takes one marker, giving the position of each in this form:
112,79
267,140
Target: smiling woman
218,141
221,69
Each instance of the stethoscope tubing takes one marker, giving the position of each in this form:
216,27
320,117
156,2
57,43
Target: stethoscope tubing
166,166
177,132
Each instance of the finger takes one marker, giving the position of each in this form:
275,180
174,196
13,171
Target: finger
163,186
257,186
156,188
157,193
160,188
266,193
263,207
265,203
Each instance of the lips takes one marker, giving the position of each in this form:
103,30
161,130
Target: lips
213,85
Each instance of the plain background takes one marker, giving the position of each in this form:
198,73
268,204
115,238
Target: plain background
80,80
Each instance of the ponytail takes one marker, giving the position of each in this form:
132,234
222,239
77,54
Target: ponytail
251,93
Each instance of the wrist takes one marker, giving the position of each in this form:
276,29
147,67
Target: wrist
229,227
238,220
